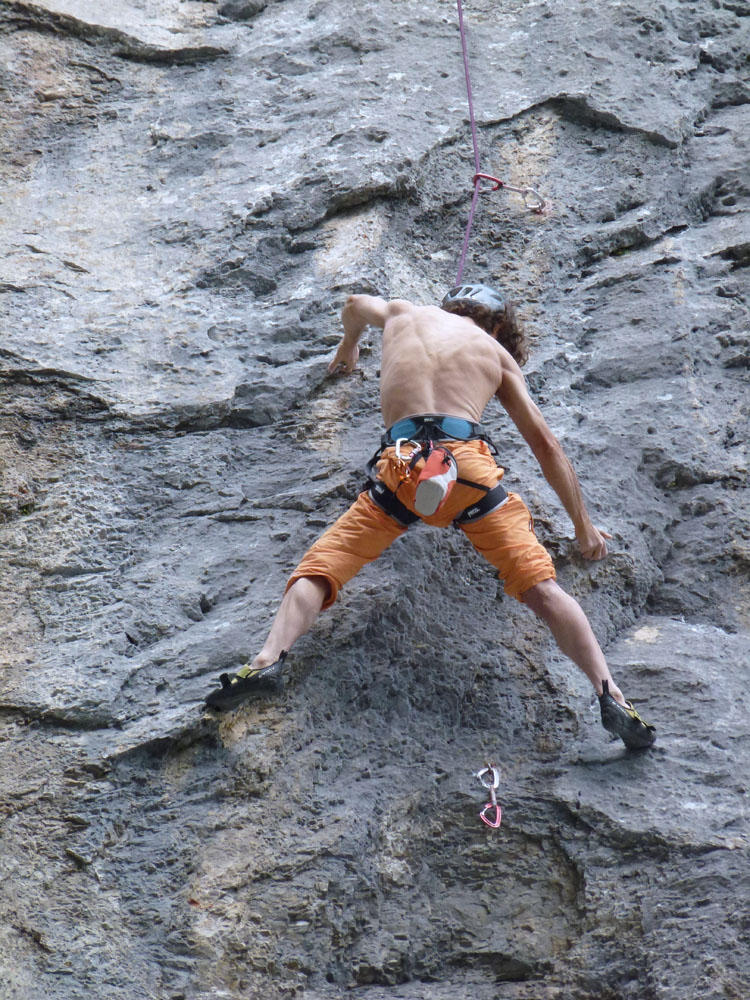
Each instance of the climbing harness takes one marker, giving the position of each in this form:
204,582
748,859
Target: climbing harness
421,432
532,199
490,779
389,503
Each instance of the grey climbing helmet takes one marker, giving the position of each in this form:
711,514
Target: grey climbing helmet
473,295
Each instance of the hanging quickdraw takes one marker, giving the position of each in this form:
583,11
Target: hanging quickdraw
531,197
490,779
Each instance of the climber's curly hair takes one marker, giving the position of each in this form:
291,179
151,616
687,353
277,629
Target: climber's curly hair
502,324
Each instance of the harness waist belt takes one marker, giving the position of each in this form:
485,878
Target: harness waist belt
433,427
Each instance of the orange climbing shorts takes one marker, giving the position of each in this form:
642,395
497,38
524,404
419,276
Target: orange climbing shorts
505,537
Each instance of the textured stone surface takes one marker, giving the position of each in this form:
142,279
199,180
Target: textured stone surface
188,192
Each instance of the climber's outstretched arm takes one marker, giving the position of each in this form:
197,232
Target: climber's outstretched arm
553,461
359,312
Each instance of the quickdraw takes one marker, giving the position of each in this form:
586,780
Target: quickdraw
491,814
531,197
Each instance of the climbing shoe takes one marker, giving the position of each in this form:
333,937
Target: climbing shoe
246,684
625,722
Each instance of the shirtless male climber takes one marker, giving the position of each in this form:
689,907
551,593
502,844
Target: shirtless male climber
439,370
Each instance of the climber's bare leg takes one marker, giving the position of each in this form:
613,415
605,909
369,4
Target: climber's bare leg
298,611
572,632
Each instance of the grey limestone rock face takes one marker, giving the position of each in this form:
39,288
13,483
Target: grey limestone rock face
188,192
242,10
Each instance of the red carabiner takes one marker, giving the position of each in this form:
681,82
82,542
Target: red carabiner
497,183
494,823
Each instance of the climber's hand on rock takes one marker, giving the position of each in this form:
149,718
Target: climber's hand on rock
591,542
345,360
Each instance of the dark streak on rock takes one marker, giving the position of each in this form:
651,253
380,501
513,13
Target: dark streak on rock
29,15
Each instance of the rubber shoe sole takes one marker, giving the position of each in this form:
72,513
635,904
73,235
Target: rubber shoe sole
625,722
235,690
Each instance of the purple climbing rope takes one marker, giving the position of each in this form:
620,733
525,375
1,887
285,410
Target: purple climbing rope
465,52
472,119
537,203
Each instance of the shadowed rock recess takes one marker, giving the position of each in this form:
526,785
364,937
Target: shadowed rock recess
188,192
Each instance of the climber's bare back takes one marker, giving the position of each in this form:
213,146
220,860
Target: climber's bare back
433,361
